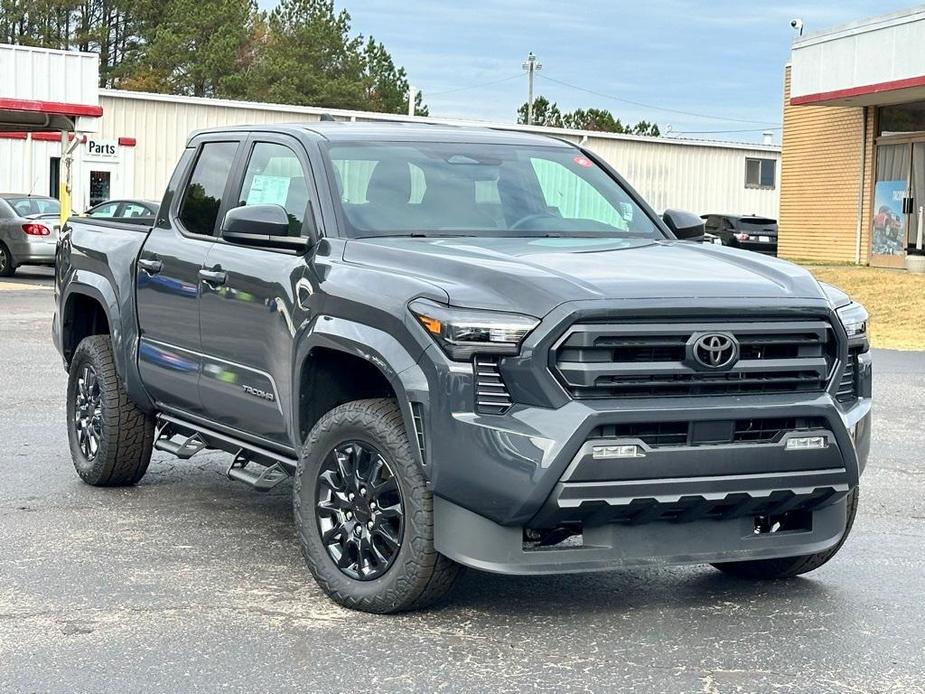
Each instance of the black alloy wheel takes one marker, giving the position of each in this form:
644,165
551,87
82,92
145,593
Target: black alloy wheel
88,412
359,510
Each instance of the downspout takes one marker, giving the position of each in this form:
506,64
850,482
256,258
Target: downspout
857,236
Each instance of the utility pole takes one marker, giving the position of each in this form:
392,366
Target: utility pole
412,97
531,66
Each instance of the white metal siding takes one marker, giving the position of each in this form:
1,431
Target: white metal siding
40,74
874,51
700,177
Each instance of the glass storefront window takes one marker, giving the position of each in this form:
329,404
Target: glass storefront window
902,118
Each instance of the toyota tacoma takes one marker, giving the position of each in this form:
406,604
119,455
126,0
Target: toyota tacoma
465,348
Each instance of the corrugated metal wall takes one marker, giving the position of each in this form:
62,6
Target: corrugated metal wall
38,74
24,166
702,177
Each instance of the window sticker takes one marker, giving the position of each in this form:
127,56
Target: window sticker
583,161
268,190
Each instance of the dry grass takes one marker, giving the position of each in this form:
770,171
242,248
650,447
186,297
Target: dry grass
894,298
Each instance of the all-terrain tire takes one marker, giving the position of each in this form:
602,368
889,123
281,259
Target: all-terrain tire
125,433
788,567
418,575
6,262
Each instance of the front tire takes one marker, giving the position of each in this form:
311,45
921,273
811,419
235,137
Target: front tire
111,438
788,567
364,514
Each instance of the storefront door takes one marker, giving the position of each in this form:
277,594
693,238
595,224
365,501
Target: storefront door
916,225
892,205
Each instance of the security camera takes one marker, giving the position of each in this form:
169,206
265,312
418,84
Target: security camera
797,25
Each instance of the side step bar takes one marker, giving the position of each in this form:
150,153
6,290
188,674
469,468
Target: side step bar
261,477
256,466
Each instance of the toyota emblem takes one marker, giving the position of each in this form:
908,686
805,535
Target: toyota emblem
715,350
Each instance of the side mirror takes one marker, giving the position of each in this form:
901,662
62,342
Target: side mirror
266,226
684,225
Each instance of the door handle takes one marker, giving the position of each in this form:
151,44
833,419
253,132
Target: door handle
151,266
214,277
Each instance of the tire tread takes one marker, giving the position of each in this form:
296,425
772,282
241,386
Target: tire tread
425,574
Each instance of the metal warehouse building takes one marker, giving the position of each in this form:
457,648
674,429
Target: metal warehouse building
137,140
853,170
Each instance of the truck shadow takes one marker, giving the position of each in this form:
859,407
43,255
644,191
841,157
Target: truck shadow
623,590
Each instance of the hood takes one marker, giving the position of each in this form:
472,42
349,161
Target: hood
534,276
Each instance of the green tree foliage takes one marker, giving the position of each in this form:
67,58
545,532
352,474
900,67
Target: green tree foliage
189,47
544,113
548,114
302,52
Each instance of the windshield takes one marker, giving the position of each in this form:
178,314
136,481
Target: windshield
449,189
26,207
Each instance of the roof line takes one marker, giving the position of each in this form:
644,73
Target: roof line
371,116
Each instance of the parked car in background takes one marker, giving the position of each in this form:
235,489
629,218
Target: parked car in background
750,232
29,227
125,210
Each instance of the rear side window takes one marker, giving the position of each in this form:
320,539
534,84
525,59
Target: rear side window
202,197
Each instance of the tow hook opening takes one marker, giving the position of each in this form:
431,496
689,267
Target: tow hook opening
567,536
792,521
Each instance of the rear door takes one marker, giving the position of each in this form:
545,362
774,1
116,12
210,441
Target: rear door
257,298
167,277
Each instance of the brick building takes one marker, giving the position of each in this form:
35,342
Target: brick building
853,146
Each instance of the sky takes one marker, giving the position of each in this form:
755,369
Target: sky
720,60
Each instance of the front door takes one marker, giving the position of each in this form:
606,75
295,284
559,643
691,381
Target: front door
168,281
899,202
256,301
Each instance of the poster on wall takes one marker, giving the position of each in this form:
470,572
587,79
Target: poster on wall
889,233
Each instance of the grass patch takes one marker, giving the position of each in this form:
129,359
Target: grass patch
894,298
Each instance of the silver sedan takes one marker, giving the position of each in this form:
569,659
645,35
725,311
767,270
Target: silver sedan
29,226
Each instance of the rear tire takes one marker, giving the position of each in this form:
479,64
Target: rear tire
408,577
788,567
111,438
7,268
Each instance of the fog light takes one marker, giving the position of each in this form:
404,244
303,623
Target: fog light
804,443
625,451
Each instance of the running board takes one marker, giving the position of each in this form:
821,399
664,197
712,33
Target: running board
261,477
196,438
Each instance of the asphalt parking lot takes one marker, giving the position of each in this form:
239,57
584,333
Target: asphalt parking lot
190,582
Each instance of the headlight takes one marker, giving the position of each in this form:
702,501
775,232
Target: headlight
854,318
463,332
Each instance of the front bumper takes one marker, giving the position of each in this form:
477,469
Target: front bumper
494,476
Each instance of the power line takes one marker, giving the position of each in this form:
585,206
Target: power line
473,86
650,106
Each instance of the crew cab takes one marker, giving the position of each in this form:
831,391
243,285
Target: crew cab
465,347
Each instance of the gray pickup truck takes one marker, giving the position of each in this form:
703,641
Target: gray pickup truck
466,347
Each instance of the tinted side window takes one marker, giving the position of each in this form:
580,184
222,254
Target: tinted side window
203,195
275,176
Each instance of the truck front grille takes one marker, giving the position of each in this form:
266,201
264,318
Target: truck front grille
653,359
682,433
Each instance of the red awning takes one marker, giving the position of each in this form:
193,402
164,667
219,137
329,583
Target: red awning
24,115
